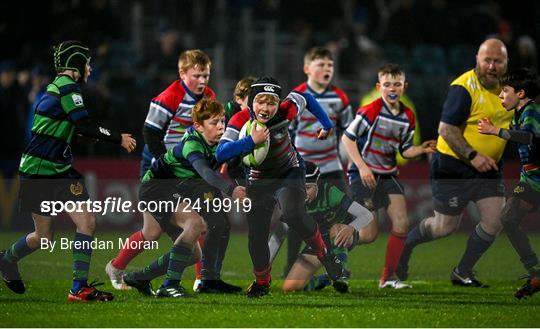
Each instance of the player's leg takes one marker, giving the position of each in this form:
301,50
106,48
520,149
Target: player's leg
397,212
429,229
258,220
301,272
523,200
294,243
115,268
291,201
24,246
513,213
182,251
450,196
369,233
81,291
150,232
479,241
141,279
215,246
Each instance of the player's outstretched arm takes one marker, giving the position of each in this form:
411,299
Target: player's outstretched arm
426,147
88,128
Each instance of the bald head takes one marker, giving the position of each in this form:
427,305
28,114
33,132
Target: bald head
491,62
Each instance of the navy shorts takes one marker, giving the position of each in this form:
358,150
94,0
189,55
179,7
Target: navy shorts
158,190
68,186
455,183
377,198
523,191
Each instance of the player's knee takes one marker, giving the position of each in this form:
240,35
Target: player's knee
290,285
368,236
197,224
401,226
151,233
88,225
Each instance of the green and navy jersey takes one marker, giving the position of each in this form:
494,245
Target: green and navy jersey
178,161
330,207
48,152
528,119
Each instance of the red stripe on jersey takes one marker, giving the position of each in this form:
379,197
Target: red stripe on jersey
313,119
325,159
304,133
316,151
386,138
182,121
285,150
380,167
378,152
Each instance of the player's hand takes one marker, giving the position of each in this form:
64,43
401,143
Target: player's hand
239,193
367,177
344,235
483,163
323,134
429,146
128,143
485,126
259,136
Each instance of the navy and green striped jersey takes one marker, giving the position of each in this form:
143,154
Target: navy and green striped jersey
48,152
177,162
330,207
528,119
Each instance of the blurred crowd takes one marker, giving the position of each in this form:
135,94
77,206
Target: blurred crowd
135,46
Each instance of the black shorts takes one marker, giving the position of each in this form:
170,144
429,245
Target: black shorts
523,191
454,184
35,191
174,191
264,192
378,198
158,191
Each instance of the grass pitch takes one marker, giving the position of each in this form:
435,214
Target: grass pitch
433,302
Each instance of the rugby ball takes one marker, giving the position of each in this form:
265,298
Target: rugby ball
256,157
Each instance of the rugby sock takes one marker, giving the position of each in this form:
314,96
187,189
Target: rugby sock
318,282
127,253
394,249
180,258
316,243
416,236
215,244
82,253
479,241
522,246
263,277
342,254
17,251
223,244
199,264
156,269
